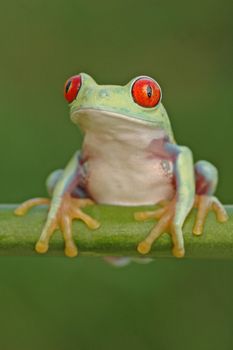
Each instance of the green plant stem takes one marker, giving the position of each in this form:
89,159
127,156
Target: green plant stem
118,235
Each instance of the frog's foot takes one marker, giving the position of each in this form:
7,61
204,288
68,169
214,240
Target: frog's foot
68,211
165,217
61,218
204,204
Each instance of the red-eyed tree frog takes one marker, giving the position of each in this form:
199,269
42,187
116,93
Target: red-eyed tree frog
129,157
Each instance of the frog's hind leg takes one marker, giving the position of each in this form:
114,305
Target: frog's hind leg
52,180
206,176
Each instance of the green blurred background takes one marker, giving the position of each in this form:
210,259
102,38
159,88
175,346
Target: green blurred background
57,303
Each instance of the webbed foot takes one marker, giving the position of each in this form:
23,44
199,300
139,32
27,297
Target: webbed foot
165,215
60,217
165,223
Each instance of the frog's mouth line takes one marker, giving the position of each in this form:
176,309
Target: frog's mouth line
76,115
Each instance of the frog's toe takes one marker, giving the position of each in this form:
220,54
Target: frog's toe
65,224
204,204
71,249
147,215
219,210
77,213
178,252
165,220
23,208
41,247
83,202
144,247
88,220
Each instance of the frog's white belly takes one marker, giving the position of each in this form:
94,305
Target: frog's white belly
119,177
128,184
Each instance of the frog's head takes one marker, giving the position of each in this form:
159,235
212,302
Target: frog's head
139,102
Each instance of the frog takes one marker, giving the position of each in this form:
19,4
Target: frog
129,157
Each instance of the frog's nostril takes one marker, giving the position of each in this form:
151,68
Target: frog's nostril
103,93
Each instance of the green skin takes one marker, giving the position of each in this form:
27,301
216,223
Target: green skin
108,112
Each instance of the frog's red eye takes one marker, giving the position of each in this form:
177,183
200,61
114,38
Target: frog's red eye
146,92
72,87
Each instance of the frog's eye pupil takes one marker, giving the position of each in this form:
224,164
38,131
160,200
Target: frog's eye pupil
149,91
72,88
67,86
146,92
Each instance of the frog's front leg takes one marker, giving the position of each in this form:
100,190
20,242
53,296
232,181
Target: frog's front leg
64,207
171,216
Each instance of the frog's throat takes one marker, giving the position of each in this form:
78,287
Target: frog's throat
78,113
